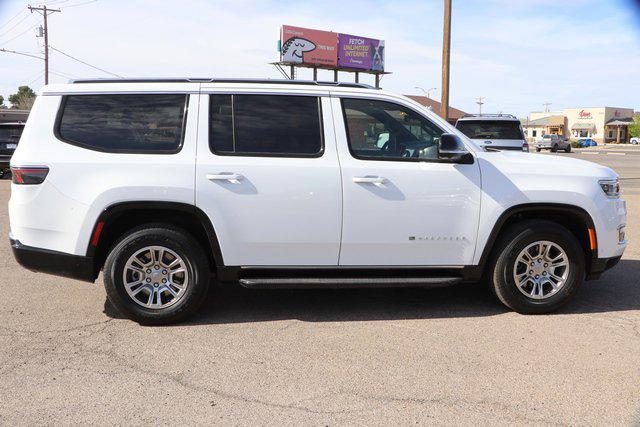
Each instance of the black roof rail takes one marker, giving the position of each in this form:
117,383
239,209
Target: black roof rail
221,80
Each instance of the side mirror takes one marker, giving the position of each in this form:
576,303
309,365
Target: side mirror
451,149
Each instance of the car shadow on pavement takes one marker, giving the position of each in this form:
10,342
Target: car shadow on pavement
618,290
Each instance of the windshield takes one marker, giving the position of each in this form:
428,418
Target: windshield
11,133
490,129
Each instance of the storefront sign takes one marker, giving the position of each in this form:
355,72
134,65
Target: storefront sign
360,53
302,45
584,114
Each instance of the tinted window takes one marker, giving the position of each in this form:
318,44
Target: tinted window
378,129
124,123
10,133
275,125
490,129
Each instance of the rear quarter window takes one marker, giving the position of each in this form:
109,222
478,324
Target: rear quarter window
140,123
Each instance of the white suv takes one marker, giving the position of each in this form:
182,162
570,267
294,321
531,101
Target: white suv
170,185
494,131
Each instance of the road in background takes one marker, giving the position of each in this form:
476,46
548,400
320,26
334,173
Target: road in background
381,356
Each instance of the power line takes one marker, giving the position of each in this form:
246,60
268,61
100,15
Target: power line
16,24
20,53
24,9
38,77
79,4
86,63
19,35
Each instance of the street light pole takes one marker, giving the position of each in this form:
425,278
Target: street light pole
446,54
426,92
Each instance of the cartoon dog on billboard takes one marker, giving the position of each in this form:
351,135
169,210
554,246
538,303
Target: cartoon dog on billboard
294,49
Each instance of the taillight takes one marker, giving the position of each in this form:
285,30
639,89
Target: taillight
29,175
525,147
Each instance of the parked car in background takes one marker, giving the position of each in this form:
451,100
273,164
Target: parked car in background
294,184
588,142
635,141
9,137
499,131
553,142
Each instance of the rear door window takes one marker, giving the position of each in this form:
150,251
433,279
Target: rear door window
265,125
142,123
490,129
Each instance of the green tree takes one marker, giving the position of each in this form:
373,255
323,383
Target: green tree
23,99
634,129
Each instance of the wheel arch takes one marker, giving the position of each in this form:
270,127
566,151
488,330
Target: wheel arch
574,218
118,218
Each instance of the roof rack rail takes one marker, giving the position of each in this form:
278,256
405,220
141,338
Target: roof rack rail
511,116
221,80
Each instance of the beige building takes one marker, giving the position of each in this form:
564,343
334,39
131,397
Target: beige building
603,124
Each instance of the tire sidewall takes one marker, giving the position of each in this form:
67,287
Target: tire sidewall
117,260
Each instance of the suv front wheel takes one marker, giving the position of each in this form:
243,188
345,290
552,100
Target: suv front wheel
156,275
538,266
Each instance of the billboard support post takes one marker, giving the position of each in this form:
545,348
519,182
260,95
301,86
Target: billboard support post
315,74
377,81
357,77
293,72
335,76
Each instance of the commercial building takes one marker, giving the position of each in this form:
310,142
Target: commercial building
602,124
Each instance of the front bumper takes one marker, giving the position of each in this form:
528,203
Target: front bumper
600,265
54,262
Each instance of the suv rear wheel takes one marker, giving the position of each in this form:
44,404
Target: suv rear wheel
538,266
156,275
554,148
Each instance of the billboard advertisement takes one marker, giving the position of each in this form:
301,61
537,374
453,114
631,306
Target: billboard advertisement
360,53
305,46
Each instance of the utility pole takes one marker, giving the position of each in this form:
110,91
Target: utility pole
446,54
44,11
480,102
546,106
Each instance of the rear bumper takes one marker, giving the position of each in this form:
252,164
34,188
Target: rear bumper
600,265
53,262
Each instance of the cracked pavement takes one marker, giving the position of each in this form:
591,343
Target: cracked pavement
394,356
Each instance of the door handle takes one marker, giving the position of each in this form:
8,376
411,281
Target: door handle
369,180
231,177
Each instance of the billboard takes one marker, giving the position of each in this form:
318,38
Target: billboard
360,53
302,45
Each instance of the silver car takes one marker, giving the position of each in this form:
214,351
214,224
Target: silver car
553,143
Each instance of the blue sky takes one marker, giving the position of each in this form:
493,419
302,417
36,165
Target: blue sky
517,54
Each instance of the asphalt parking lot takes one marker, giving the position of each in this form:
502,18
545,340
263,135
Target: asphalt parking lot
404,356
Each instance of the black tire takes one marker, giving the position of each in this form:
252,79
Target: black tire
568,149
538,150
554,149
175,239
507,249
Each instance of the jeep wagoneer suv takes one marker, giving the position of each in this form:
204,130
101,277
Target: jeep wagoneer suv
168,186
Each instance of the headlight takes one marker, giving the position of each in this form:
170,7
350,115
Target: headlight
611,187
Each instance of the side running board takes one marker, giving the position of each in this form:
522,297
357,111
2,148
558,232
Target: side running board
347,282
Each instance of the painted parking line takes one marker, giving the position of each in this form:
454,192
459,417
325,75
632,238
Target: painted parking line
602,152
